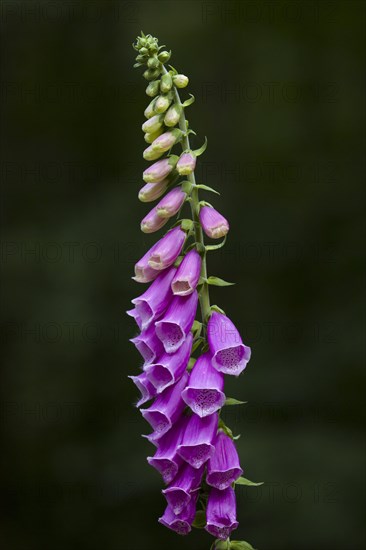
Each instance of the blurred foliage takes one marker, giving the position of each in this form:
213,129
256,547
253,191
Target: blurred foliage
279,92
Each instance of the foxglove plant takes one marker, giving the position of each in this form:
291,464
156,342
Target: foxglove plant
195,451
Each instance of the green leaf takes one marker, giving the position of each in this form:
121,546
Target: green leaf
216,281
216,246
244,481
232,401
202,149
189,101
240,545
199,521
207,188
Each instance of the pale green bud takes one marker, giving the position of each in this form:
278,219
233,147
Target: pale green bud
172,115
180,80
153,88
151,74
166,83
153,62
152,154
149,111
166,141
164,56
153,124
150,137
162,103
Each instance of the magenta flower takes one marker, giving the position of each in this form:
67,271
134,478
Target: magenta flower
188,274
170,366
152,222
186,164
166,459
144,273
180,523
160,169
221,513
180,490
146,388
196,446
167,250
214,224
170,205
166,409
148,345
152,191
229,354
177,321
152,303
223,467
204,392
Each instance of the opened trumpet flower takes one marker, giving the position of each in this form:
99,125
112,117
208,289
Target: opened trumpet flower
221,513
170,366
223,468
166,409
213,223
180,523
186,279
196,446
229,354
186,356
182,488
176,323
204,392
146,388
166,459
152,303
148,344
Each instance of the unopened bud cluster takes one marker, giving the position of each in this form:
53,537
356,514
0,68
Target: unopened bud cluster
195,452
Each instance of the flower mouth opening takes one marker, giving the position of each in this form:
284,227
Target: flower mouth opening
156,262
171,335
176,498
203,402
222,480
147,353
159,376
145,313
181,288
196,455
158,421
221,531
230,359
167,468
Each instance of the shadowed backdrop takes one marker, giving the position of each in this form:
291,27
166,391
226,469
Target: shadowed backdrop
279,93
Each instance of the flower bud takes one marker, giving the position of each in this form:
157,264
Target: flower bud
152,154
166,141
153,88
152,191
173,115
180,80
186,164
213,223
150,137
162,103
171,203
152,222
166,251
166,83
153,124
159,170
149,111
153,62
151,74
164,56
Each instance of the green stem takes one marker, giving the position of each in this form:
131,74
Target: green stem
204,295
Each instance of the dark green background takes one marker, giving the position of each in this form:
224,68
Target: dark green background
279,93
